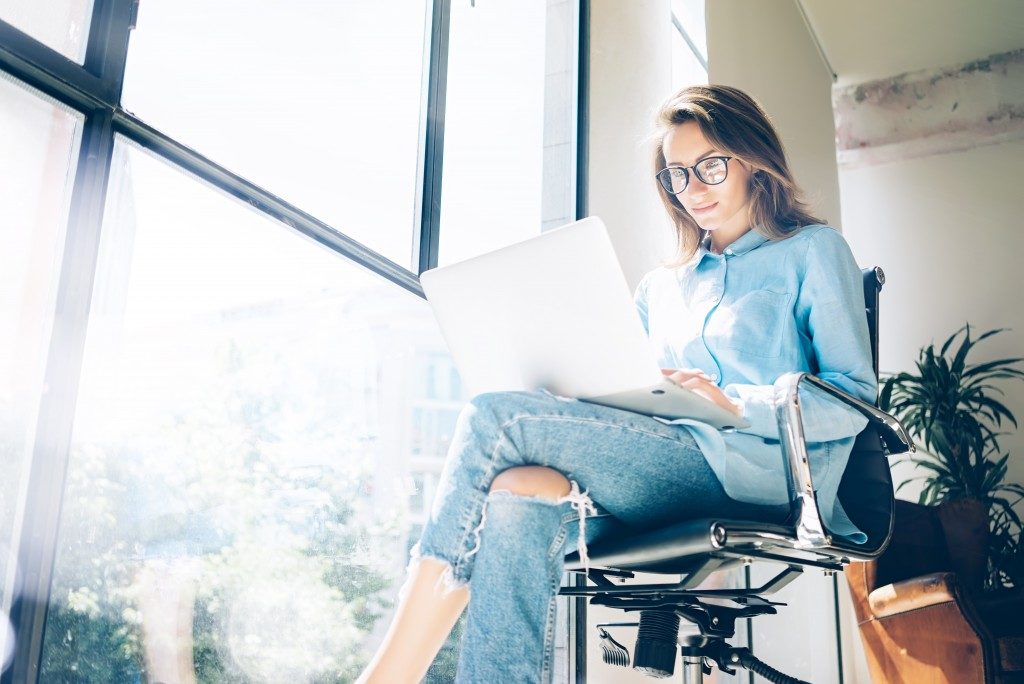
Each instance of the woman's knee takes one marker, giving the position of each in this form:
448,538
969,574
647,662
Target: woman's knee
532,481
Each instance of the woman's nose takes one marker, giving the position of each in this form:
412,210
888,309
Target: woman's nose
696,187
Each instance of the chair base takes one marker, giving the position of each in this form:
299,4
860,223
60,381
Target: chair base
698,652
661,606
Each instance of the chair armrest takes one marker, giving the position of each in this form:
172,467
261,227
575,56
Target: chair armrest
810,531
912,594
894,436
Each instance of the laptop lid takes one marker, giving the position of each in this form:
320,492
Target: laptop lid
554,311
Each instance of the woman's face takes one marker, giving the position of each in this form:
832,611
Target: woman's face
721,207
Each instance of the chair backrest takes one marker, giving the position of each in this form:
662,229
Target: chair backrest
866,488
873,279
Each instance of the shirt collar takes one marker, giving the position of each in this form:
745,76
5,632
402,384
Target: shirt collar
741,245
746,242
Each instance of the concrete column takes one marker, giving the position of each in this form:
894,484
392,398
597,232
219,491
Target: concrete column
630,74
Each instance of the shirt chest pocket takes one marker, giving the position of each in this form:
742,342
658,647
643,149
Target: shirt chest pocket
753,324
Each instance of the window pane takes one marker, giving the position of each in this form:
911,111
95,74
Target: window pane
241,489
510,133
686,70
318,102
38,149
691,15
61,24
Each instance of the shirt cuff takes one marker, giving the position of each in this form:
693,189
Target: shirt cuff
758,404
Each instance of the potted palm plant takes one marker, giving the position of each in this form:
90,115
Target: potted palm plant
949,407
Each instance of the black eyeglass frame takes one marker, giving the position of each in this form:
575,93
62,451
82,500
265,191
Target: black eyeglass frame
686,169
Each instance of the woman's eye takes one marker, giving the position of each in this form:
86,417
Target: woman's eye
713,169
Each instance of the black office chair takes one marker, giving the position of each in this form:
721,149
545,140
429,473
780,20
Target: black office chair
694,549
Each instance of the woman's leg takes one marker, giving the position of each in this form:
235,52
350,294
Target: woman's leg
424,617
642,471
510,625
426,612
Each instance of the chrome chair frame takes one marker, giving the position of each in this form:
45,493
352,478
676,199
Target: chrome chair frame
696,549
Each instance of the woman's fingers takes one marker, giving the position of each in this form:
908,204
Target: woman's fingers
682,374
711,392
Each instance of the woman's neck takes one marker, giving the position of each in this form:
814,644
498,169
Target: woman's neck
720,240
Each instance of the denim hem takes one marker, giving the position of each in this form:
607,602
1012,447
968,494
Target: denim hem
455,574
447,582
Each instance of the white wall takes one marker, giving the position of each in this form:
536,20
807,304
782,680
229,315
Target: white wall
765,49
948,231
630,74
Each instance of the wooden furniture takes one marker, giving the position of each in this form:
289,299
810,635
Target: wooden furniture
921,614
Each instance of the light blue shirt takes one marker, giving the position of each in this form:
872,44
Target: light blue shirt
749,316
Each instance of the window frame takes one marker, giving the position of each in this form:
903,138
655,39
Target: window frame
94,89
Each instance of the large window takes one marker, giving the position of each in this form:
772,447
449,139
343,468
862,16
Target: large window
224,402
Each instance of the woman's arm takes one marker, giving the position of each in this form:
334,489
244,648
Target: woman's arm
830,308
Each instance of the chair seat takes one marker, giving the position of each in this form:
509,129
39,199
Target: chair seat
681,547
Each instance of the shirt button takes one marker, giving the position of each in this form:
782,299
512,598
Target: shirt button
714,377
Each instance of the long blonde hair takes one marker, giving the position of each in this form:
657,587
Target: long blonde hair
737,126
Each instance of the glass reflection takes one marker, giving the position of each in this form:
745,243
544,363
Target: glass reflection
237,505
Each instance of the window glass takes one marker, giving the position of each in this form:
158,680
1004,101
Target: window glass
690,14
39,142
60,24
686,70
318,102
237,505
510,135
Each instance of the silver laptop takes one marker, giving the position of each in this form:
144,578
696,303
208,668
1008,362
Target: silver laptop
555,312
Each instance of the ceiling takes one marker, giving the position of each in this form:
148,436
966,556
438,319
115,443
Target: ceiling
867,40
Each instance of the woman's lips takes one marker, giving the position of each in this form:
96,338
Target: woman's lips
706,208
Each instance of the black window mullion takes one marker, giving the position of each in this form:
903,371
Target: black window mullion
93,88
578,606
46,474
96,83
689,41
430,221
44,68
189,160
106,52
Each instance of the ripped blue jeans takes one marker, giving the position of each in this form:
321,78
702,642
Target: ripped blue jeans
626,471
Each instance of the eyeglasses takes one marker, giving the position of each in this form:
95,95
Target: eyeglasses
710,171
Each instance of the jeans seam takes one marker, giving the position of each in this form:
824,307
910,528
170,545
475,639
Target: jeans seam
558,542
589,421
549,630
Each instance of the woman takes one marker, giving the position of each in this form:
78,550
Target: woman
759,289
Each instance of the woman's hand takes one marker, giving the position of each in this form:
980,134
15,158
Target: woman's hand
696,380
